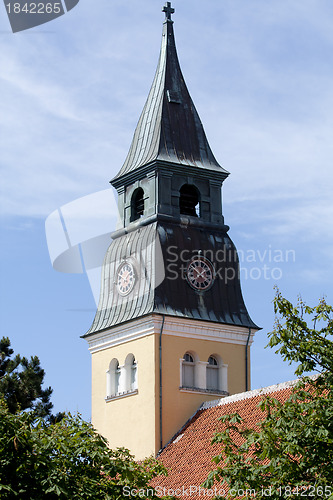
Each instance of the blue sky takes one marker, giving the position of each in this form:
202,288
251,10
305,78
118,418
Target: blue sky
260,74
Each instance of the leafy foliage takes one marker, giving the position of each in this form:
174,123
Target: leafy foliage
67,459
21,382
290,452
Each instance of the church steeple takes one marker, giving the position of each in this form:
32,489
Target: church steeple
169,128
171,328
170,204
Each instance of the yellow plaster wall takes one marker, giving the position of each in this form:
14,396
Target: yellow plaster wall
179,406
131,421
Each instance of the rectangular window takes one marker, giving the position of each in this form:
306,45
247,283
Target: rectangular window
212,377
188,374
134,377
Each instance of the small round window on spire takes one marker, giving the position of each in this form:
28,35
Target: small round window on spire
137,204
189,201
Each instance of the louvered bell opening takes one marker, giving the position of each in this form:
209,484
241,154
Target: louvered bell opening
189,202
140,206
137,204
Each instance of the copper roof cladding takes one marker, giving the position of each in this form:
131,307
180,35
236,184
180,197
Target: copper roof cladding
188,456
169,128
159,290
113,308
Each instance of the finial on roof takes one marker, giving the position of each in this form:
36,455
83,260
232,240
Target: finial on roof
169,129
168,11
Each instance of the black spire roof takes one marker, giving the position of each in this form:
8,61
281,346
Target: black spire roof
160,245
169,128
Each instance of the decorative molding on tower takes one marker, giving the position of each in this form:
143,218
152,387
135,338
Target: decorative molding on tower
177,327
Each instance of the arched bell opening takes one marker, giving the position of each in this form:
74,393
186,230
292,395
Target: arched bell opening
189,200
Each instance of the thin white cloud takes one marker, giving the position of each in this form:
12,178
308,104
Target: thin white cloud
71,91
71,104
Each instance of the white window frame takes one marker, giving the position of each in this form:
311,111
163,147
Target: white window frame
222,373
199,369
131,373
200,375
213,374
134,375
189,364
122,380
113,376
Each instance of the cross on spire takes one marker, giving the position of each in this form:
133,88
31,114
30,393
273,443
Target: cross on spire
168,11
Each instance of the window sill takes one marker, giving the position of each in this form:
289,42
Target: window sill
198,390
121,395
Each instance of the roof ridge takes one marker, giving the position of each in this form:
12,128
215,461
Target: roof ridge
251,394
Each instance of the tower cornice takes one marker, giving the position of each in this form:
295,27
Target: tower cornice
171,167
184,221
173,326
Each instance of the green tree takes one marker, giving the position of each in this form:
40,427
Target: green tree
289,454
67,459
21,382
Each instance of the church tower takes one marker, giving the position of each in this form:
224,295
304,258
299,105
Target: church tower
171,330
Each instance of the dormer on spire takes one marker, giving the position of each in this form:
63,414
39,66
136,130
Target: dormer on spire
168,11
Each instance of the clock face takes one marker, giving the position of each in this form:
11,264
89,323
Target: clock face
200,273
125,278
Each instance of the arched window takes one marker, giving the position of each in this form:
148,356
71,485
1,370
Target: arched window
131,373
188,367
117,379
189,200
134,374
212,373
137,204
113,378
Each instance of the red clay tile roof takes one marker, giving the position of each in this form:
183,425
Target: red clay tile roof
188,456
